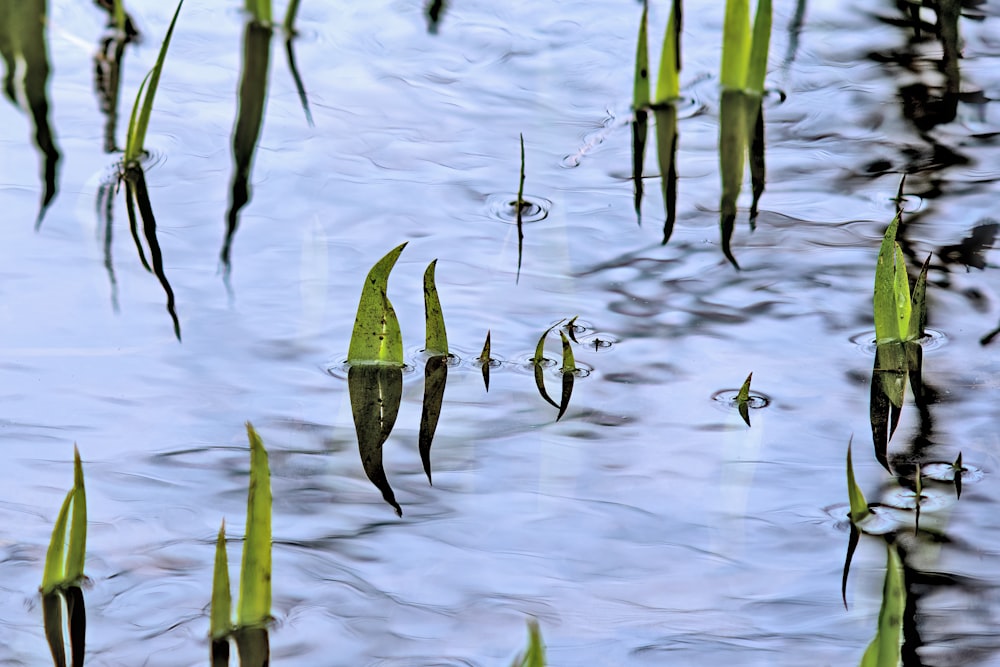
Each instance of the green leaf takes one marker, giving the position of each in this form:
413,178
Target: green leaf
221,623
884,651
568,361
732,160
884,301
640,94
918,312
77,550
255,572
534,656
744,393
859,506
759,48
735,45
484,360
540,348
132,151
289,24
54,574
901,292
376,338
668,77
260,10
137,130
436,340
376,392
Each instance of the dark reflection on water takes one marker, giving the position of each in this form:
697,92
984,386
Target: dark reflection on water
435,379
24,49
108,59
376,392
71,600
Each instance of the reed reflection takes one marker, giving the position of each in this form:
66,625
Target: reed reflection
73,632
376,392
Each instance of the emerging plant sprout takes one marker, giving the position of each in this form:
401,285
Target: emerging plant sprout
435,370
743,400
485,360
68,547
534,654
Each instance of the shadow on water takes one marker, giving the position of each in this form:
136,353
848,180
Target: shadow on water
53,604
376,392
666,152
107,70
249,119
136,196
24,48
435,10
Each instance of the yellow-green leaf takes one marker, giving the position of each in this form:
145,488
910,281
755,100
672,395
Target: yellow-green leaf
255,573
568,360
859,506
540,348
436,340
77,547
534,656
668,77
735,45
884,301
376,337
221,623
918,312
744,393
901,292
54,574
759,48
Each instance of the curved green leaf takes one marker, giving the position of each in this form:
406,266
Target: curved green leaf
376,338
54,574
859,506
77,548
436,339
255,571
221,623
137,130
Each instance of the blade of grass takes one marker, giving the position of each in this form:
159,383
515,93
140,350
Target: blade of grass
884,300
54,574
376,337
221,620
757,68
640,88
138,126
568,371
484,360
859,506
520,220
918,310
735,45
255,571
668,78
77,548
534,656
436,336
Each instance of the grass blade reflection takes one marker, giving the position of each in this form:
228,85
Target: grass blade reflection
435,379
376,392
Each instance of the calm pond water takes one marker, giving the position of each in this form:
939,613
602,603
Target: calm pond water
648,526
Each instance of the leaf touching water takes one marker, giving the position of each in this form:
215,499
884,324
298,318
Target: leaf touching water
743,400
435,379
376,392
255,572
221,617
484,361
668,76
534,656
78,524
376,338
436,339
859,506
568,372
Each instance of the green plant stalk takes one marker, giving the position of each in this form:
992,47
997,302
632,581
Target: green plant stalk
668,77
221,623
640,88
290,14
254,607
735,45
137,130
759,48
376,338
436,336
260,10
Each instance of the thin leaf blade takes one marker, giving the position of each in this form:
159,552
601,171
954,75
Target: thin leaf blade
255,572
436,338
859,506
221,614
376,337
77,547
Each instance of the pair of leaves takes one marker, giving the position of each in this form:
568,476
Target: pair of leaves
567,370
254,606
899,315
68,546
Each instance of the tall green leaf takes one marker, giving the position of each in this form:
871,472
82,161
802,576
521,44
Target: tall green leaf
436,338
859,506
255,571
221,622
885,299
77,547
137,129
759,48
901,293
735,45
884,651
640,88
668,77
376,337
54,574
260,10
534,656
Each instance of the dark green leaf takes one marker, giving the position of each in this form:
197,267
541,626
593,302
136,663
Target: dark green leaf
852,544
52,619
435,379
436,339
666,153
732,160
376,392
640,89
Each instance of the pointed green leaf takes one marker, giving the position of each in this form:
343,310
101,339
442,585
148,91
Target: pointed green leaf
568,360
884,651
484,360
436,340
137,133
260,10
77,547
901,292
744,393
640,94
132,151
54,574
735,45
376,337
668,77
534,656
859,506
759,47
255,572
289,24
221,623
540,348
884,301
918,313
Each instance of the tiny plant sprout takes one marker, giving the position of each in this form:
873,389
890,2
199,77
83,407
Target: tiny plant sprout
519,205
959,469
743,400
858,505
568,372
436,339
65,556
534,654
485,360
